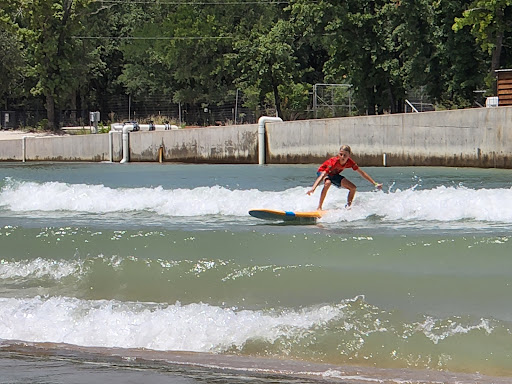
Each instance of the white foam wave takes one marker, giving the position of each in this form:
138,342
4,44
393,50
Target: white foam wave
193,327
438,204
83,198
437,331
39,268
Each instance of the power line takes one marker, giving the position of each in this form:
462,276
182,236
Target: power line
153,38
157,2
191,3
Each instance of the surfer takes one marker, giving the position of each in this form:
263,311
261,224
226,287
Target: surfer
329,173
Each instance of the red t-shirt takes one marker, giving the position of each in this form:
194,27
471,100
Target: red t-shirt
333,166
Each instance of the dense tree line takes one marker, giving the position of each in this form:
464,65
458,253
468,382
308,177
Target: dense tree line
70,54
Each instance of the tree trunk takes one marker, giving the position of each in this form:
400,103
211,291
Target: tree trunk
392,101
371,101
52,113
277,99
496,53
72,105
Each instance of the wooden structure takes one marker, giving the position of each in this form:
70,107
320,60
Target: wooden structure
504,86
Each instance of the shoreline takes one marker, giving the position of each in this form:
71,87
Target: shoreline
474,138
234,365
17,134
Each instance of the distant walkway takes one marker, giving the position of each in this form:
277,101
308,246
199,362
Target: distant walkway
18,134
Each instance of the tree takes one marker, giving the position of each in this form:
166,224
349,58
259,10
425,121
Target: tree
456,66
119,65
201,53
490,21
49,27
364,49
11,60
389,48
266,61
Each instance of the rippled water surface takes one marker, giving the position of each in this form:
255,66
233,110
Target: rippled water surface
112,270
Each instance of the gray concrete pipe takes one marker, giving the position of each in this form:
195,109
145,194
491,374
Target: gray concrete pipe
261,135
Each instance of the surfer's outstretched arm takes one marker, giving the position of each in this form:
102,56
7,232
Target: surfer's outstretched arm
319,179
368,177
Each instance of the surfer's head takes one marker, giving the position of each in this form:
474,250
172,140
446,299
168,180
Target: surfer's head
345,152
346,148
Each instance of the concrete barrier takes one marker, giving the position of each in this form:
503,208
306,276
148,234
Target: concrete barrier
11,150
473,138
68,148
480,137
57,148
228,144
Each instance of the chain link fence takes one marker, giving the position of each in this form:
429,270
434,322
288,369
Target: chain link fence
140,111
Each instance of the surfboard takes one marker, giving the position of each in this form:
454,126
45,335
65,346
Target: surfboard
273,214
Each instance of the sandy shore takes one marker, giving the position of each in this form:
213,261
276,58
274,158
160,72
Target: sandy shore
18,134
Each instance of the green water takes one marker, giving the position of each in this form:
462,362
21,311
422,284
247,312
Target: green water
166,258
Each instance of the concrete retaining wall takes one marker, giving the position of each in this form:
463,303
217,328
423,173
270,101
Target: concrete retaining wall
11,150
68,148
474,137
229,144
57,148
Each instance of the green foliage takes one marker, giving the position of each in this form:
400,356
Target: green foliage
267,59
12,60
490,22
43,125
189,63
53,56
69,52
11,65
456,67
295,100
486,19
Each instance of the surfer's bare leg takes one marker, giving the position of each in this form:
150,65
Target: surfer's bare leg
351,190
327,185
